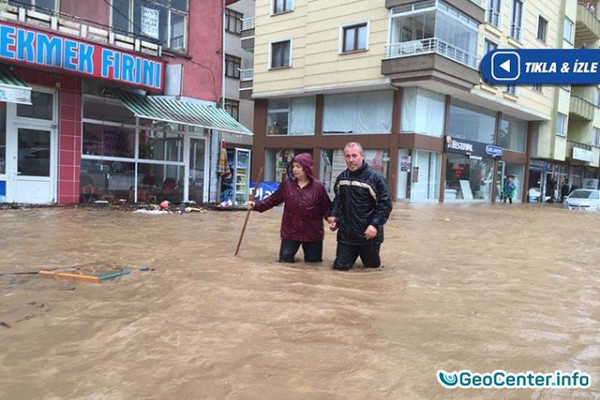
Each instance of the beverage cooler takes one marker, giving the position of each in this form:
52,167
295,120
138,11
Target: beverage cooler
240,160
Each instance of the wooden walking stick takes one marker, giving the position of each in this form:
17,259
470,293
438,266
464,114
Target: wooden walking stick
260,172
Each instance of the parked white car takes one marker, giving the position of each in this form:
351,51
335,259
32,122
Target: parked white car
583,199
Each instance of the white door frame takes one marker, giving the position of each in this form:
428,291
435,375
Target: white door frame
13,124
186,158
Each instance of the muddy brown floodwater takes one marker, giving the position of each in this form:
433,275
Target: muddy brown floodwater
480,287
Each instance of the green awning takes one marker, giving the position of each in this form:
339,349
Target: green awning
179,112
13,89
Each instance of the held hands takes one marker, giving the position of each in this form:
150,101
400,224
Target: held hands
332,221
371,232
250,204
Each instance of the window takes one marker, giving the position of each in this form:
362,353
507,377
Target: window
233,108
360,112
232,66
568,33
598,97
597,137
493,13
233,21
561,124
422,112
511,89
44,6
281,54
488,46
542,29
513,134
537,87
471,122
281,6
516,18
354,38
162,20
292,116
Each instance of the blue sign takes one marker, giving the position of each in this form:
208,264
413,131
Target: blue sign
494,151
2,192
265,189
535,66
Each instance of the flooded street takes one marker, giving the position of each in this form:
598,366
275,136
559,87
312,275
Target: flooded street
480,287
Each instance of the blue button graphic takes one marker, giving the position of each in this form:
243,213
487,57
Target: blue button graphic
506,66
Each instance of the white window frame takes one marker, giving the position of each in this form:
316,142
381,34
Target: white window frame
488,39
508,89
538,88
272,9
351,24
572,26
561,130
270,52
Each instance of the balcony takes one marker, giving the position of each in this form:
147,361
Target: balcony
246,83
248,33
472,8
581,108
587,29
430,59
72,26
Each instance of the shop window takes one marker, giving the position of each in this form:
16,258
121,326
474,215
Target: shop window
419,175
43,6
106,109
233,21
159,145
468,178
363,112
291,116
233,108
161,20
111,141
157,182
471,123
281,54
232,66
41,107
355,38
513,134
422,112
333,163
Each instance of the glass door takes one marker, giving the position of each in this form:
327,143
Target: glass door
197,170
34,183
500,177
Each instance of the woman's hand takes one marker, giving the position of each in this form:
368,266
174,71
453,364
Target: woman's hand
250,204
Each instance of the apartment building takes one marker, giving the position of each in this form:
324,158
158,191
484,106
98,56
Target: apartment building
114,100
402,78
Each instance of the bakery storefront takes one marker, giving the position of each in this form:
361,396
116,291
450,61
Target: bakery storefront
78,123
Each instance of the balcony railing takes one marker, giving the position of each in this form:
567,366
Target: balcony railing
515,31
248,23
493,17
431,45
246,75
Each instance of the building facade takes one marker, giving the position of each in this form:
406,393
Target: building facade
402,79
111,101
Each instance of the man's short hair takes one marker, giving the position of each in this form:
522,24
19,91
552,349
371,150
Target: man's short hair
355,144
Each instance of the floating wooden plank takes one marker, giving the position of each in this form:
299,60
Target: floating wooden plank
68,275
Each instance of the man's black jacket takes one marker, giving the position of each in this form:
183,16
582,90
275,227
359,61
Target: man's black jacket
362,198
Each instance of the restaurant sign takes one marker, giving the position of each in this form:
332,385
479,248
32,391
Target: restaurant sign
41,49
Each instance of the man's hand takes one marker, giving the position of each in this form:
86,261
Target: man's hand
250,204
371,232
332,223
